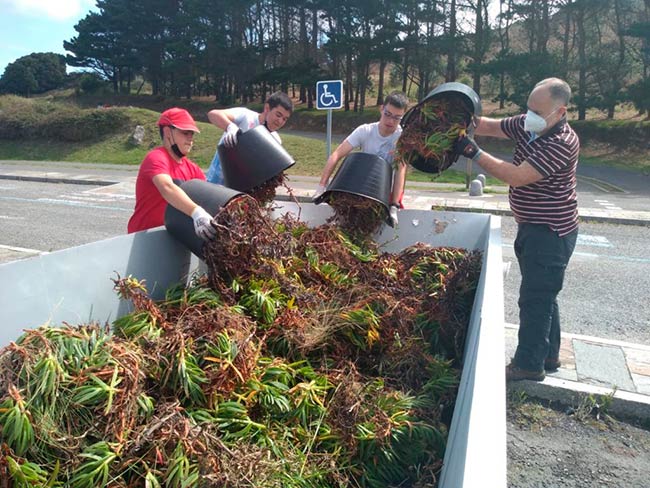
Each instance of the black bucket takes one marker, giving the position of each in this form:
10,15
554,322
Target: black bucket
446,91
211,197
362,174
256,158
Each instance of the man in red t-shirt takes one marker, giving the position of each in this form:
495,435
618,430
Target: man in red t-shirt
155,187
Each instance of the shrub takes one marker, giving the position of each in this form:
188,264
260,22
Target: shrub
37,119
639,94
74,124
91,83
618,133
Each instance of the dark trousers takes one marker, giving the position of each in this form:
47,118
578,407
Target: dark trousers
543,257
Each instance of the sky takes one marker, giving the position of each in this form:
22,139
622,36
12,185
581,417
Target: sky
29,26
38,26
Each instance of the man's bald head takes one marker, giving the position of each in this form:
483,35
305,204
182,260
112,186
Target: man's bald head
559,90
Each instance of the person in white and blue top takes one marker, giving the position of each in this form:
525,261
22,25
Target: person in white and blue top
380,139
277,110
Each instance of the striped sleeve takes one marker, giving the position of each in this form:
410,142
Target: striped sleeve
556,155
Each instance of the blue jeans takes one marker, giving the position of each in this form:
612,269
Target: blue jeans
215,175
543,257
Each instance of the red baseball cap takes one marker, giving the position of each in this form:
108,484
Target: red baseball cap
179,118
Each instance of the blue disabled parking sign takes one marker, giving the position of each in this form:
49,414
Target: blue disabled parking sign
329,94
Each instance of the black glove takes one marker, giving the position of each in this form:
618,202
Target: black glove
464,146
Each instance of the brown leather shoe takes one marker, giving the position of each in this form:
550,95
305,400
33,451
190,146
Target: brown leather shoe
515,373
552,364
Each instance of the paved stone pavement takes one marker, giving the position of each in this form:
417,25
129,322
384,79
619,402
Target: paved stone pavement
611,373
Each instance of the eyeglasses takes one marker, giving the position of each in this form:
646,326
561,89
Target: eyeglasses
396,118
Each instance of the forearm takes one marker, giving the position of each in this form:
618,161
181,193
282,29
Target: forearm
340,152
328,169
177,198
489,127
514,176
399,180
219,118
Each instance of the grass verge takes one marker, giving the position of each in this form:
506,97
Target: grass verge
310,153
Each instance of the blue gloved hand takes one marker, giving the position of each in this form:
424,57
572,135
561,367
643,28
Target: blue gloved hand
202,224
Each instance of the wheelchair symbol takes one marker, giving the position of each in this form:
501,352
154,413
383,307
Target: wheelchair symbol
327,98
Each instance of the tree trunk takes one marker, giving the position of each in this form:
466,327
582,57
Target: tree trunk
644,43
478,48
451,73
364,81
405,70
285,35
567,38
380,82
582,60
116,88
544,28
304,41
314,32
504,41
349,86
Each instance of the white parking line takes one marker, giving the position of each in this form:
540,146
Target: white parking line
21,249
603,257
598,241
66,202
608,205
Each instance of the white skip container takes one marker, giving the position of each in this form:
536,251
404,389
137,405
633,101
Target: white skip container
75,286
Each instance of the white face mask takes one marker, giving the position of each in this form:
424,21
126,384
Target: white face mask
534,123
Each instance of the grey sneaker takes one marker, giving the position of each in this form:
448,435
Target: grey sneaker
515,373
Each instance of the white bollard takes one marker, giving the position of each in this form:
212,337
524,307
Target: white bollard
481,178
475,188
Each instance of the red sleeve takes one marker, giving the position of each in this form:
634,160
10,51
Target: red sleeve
155,163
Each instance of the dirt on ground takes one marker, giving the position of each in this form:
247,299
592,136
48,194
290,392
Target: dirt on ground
576,447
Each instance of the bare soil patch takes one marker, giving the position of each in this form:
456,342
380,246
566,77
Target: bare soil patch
551,446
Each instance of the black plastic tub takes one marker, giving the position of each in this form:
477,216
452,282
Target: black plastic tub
211,197
468,98
256,158
362,174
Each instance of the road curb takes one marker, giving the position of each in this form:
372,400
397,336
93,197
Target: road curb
582,217
47,179
497,211
308,199
621,404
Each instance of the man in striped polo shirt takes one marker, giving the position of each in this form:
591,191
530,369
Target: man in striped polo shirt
542,179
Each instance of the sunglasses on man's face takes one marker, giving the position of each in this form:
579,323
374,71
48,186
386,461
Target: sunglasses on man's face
396,118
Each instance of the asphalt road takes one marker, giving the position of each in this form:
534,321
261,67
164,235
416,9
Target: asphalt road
606,284
52,216
605,292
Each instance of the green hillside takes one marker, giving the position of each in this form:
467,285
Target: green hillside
60,129
57,130
39,129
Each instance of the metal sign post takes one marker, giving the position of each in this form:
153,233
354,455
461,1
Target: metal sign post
329,96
